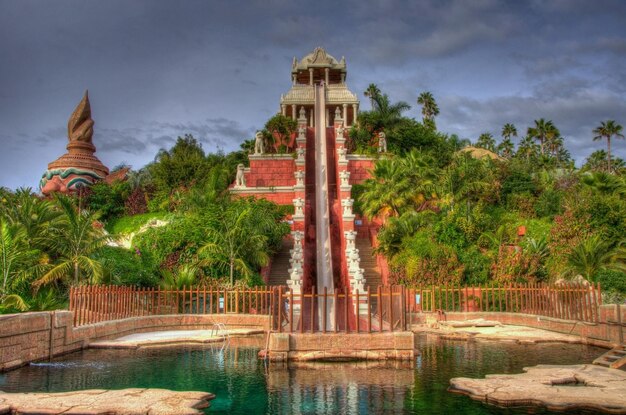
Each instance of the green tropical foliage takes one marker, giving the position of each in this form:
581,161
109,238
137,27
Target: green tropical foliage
444,216
607,130
430,109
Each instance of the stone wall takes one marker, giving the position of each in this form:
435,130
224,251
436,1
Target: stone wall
25,337
607,333
271,171
359,168
333,346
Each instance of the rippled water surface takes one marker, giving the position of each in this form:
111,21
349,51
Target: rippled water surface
245,385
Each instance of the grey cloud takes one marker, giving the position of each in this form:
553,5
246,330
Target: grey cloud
576,116
126,141
158,69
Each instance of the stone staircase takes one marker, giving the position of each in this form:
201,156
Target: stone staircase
279,272
614,358
368,263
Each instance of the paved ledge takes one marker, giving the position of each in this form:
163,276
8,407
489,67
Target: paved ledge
339,346
558,388
480,329
113,402
172,337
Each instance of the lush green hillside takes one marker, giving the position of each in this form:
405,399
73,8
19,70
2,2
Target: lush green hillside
450,214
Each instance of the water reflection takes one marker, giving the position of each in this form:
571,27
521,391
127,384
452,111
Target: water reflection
245,385
364,387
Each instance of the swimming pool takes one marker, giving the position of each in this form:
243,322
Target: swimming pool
245,385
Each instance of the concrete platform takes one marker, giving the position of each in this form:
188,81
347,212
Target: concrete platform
480,329
561,388
113,402
172,337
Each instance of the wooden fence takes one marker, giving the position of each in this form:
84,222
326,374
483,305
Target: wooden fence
383,309
96,303
568,301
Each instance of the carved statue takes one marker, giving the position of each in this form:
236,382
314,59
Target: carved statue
240,179
259,144
302,132
296,259
299,205
300,151
80,124
299,178
344,176
350,240
347,206
302,113
354,260
382,142
296,274
297,237
337,113
342,153
340,131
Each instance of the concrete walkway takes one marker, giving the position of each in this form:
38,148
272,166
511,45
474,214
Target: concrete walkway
114,402
493,330
163,338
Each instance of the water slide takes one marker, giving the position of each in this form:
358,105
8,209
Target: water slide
322,222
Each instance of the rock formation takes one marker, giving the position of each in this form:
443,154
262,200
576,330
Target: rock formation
78,167
560,388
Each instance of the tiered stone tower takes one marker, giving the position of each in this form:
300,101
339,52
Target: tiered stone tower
79,166
317,179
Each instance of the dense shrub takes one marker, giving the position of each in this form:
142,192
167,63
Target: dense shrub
549,203
613,285
108,199
128,267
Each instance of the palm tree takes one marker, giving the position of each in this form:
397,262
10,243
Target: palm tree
37,216
466,179
397,229
238,238
593,255
74,241
430,109
608,129
398,185
505,148
384,115
372,92
17,262
486,141
542,131
527,148
604,183
509,130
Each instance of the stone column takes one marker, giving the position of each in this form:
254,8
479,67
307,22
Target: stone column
355,110
326,70
283,109
311,76
343,78
345,113
293,111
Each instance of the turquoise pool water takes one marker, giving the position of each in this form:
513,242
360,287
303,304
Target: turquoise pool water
245,385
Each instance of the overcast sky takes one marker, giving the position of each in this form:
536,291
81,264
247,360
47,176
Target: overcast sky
156,70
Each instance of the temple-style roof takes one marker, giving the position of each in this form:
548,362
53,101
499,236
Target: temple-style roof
318,59
79,166
305,94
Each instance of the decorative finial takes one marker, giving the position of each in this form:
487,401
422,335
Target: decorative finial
80,124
